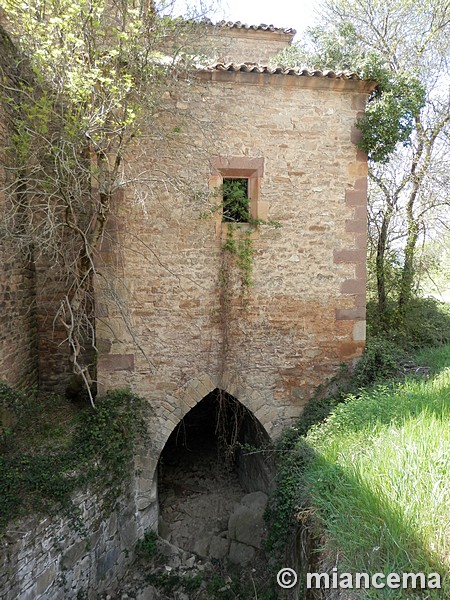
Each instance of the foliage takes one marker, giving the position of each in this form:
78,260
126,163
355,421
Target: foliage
280,514
380,360
241,247
89,75
236,208
146,547
47,453
426,322
390,116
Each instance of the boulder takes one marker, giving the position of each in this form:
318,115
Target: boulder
219,547
256,501
246,524
148,593
240,554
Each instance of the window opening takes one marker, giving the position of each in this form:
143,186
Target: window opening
236,203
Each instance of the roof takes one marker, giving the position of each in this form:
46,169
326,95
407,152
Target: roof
261,27
279,70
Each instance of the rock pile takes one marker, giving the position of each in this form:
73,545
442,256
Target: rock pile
204,509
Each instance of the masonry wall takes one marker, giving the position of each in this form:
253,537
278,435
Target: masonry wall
18,341
55,371
52,559
304,313
231,43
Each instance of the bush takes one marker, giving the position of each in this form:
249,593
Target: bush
426,323
381,360
48,452
146,547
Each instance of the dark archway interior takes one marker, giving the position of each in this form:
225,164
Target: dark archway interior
204,471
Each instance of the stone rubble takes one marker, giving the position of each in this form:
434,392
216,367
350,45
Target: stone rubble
205,511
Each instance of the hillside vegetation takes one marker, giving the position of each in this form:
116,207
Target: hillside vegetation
375,477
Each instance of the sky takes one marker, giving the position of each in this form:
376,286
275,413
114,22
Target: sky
297,14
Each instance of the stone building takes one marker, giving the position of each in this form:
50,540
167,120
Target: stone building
161,324
197,302
178,318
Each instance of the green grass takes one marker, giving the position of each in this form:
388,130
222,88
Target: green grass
378,478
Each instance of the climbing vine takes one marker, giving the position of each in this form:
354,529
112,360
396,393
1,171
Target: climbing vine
242,249
240,225
236,270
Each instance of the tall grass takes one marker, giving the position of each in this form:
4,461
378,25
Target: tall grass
379,479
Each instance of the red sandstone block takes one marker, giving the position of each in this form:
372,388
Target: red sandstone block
361,156
353,286
355,135
101,310
103,345
356,198
360,213
361,241
350,314
361,271
360,300
356,226
350,350
254,166
116,362
359,102
349,256
361,184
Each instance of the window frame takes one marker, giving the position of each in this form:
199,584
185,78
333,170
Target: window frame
248,168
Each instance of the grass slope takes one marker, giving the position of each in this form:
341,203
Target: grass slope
379,480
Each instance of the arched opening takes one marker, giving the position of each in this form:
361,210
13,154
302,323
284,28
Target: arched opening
207,469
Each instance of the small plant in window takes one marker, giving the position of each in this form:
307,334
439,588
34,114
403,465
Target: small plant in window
236,207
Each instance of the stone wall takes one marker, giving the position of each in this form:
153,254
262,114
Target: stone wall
55,371
303,315
239,43
18,341
51,559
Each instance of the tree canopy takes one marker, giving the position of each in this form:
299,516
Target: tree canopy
87,75
405,46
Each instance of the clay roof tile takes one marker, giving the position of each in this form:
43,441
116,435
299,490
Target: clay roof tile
279,70
261,27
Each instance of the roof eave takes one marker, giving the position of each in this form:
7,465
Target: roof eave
253,74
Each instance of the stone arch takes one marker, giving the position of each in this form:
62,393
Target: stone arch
162,425
205,470
199,387
191,393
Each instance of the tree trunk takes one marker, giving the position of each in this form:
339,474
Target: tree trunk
407,278
381,267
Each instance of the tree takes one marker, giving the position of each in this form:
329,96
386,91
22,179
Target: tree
89,72
404,45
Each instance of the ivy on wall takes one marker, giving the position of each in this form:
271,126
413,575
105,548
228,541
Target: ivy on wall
47,452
